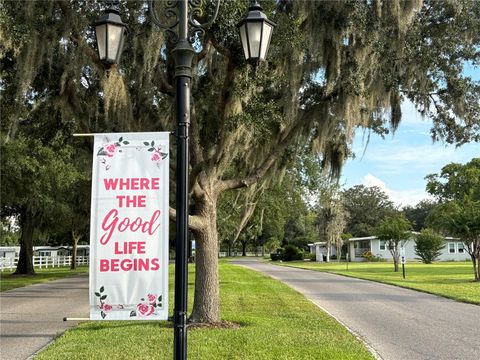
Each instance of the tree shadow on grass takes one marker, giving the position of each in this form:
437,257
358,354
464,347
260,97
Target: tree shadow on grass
96,326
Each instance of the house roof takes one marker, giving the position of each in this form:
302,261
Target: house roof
446,238
362,238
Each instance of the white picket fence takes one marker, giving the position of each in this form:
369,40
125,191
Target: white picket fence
10,263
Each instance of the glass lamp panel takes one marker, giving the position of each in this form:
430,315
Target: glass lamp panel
120,50
244,40
114,33
101,37
267,33
254,30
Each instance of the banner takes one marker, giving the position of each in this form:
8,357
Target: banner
129,227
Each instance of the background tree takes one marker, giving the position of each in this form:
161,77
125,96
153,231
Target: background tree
333,66
429,245
78,215
366,208
457,188
9,233
417,214
34,183
395,231
331,219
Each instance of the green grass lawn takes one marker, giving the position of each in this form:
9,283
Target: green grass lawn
449,279
8,282
276,323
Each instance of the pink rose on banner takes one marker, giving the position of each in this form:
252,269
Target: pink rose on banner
152,299
106,307
145,309
110,149
156,157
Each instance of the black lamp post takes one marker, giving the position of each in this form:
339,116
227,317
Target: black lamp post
182,32
110,33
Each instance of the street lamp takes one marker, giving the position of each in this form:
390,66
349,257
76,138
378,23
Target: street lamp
255,33
182,31
110,34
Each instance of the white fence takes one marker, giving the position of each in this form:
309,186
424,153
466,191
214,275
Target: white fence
10,263
239,253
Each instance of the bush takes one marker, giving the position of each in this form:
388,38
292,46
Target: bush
276,256
367,255
428,245
313,257
291,252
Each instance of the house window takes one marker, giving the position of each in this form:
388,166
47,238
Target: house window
451,248
460,248
383,245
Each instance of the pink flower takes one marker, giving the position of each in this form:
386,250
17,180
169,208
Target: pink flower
145,309
106,307
152,299
156,157
110,149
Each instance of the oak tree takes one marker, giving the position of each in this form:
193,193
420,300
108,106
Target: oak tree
333,67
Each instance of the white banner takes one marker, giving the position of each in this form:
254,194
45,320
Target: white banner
129,227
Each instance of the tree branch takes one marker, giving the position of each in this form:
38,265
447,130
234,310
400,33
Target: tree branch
76,38
195,222
285,141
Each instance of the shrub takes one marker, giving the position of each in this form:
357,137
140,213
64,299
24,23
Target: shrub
313,257
276,256
367,255
376,258
291,252
428,245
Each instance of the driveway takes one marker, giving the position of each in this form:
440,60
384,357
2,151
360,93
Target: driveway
399,324
32,316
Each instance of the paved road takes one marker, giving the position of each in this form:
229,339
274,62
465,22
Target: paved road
32,316
399,324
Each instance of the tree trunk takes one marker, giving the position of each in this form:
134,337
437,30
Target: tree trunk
328,252
25,261
395,255
395,263
476,268
75,238
206,303
244,248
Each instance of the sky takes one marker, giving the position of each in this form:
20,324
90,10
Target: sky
399,163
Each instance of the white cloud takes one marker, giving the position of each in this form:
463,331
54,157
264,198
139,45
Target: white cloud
370,181
399,197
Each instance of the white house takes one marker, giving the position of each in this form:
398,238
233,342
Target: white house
454,249
320,250
13,251
8,252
